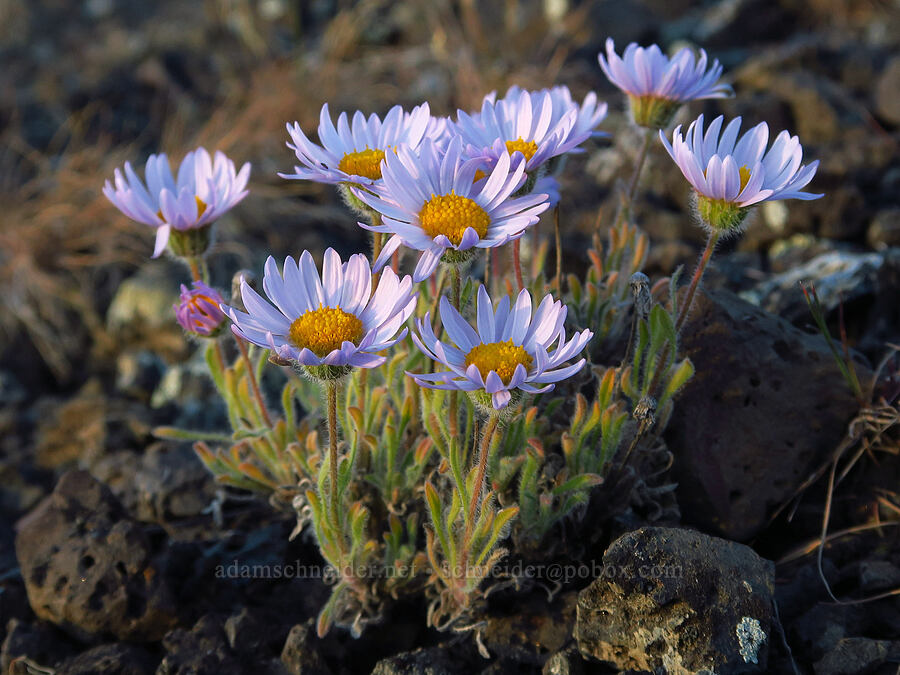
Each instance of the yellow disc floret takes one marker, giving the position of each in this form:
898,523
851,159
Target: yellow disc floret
325,329
745,176
366,163
501,357
527,148
450,215
201,207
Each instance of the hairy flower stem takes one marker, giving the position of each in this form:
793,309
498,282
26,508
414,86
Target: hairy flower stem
627,205
456,279
375,218
377,245
484,450
695,280
254,385
220,355
517,263
331,389
559,254
639,166
193,263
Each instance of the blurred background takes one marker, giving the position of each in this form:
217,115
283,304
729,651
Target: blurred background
85,86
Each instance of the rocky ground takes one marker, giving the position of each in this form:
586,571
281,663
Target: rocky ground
114,547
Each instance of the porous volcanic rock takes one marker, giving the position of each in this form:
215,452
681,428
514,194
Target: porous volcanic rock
89,568
203,650
437,660
301,654
766,406
121,659
678,601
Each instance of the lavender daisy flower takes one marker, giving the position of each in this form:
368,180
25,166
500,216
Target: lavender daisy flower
657,85
729,175
327,324
523,123
198,311
352,152
509,353
181,210
589,114
431,202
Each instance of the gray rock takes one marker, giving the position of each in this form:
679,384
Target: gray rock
301,654
878,575
121,659
839,276
823,626
854,656
172,483
533,631
41,643
201,651
765,407
89,568
73,430
567,662
11,390
887,92
681,601
884,230
428,661
163,484
138,373
141,313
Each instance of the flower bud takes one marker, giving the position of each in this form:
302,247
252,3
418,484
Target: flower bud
198,311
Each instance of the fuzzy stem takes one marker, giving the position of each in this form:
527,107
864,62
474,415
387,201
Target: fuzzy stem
559,253
638,167
254,385
220,355
517,263
331,389
456,278
483,451
195,268
377,245
695,280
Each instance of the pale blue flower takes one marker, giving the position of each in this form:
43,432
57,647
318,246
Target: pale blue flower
509,349
204,190
328,319
431,202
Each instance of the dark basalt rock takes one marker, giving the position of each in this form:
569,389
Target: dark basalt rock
89,568
112,659
428,661
203,650
41,643
679,601
766,406
301,654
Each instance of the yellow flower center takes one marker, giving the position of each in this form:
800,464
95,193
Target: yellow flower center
325,329
479,174
201,207
745,176
527,148
365,163
450,215
501,357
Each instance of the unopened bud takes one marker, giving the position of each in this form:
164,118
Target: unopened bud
645,410
641,296
198,310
